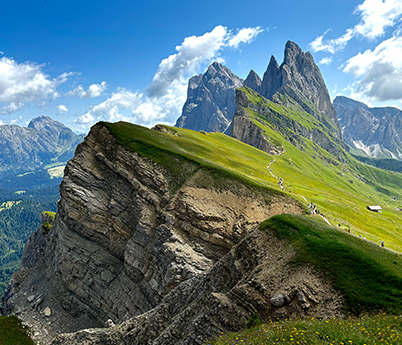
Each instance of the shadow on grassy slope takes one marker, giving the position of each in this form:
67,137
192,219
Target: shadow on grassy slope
12,332
369,277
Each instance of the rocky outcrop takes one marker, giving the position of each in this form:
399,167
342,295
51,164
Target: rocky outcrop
374,132
44,141
210,102
127,234
250,129
255,277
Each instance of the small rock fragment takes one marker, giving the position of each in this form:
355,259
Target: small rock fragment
47,312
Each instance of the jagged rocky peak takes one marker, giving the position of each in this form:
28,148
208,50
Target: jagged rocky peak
44,122
373,132
253,81
210,102
300,78
270,83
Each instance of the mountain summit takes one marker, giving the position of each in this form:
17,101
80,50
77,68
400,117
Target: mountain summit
293,99
300,78
210,102
44,141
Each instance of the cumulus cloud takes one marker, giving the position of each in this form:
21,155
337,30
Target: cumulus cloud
26,82
126,105
375,17
164,97
61,108
194,52
111,108
379,70
94,90
244,35
325,61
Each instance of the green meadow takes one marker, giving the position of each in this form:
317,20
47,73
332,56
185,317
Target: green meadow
340,190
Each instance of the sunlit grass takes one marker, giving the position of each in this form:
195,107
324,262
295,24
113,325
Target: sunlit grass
369,330
342,192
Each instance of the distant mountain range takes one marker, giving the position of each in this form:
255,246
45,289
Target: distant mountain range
297,82
43,143
370,132
32,161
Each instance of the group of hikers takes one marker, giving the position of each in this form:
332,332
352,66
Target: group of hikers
313,208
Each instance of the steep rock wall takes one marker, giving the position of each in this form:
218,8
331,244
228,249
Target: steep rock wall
256,277
126,235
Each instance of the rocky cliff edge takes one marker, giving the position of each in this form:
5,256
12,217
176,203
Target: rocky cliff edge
132,241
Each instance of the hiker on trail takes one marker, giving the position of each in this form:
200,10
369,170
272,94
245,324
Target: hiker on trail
349,231
382,243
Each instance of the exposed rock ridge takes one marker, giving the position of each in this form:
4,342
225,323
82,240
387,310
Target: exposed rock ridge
210,102
123,239
253,81
256,276
375,132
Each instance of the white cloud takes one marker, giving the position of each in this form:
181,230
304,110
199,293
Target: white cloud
61,108
193,53
94,90
326,61
379,70
111,108
190,54
12,108
126,105
376,17
165,96
244,35
26,82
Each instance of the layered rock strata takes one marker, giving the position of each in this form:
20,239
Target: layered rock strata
126,235
255,277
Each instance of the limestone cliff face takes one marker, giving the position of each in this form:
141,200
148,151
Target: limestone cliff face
124,239
210,102
255,277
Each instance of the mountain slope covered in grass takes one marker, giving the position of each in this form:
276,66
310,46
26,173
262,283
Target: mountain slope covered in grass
341,190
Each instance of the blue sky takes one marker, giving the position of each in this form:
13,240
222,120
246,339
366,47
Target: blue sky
84,61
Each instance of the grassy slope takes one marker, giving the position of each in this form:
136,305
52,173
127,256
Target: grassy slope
369,277
380,329
305,174
343,191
